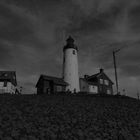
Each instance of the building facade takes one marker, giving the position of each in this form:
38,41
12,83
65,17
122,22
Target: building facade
97,83
70,66
8,82
50,85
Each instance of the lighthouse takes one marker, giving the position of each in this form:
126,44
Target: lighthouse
70,65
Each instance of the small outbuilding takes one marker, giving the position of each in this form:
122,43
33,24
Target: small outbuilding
8,82
50,85
97,83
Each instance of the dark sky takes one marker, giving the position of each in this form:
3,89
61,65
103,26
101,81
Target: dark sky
33,33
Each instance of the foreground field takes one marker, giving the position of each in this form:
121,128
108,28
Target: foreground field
32,117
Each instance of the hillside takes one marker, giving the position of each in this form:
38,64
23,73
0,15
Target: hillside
69,117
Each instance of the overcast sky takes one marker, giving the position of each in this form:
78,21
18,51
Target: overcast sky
33,33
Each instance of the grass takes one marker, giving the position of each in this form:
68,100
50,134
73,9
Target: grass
69,117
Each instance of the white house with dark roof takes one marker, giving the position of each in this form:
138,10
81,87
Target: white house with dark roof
97,83
8,82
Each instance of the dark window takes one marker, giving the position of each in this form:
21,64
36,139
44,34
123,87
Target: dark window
5,74
5,83
73,51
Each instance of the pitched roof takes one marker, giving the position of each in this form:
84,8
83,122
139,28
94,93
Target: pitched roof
97,75
94,75
9,76
55,80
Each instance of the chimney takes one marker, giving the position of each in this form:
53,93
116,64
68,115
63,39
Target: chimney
86,76
101,70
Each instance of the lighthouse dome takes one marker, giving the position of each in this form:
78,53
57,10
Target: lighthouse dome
70,44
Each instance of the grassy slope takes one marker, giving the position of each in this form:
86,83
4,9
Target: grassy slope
69,117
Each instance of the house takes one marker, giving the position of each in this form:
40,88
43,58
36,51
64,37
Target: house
8,82
97,83
50,85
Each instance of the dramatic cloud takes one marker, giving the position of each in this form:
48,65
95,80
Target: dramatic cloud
33,33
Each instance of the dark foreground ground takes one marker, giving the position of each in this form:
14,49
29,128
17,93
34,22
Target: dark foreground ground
32,117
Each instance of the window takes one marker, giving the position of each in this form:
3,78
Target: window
101,81
106,82
5,83
100,88
74,52
58,88
5,74
1,84
108,91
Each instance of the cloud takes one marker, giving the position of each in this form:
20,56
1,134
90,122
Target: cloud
135,19
93,6
14,26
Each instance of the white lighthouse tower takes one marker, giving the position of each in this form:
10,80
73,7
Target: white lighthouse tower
70,66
